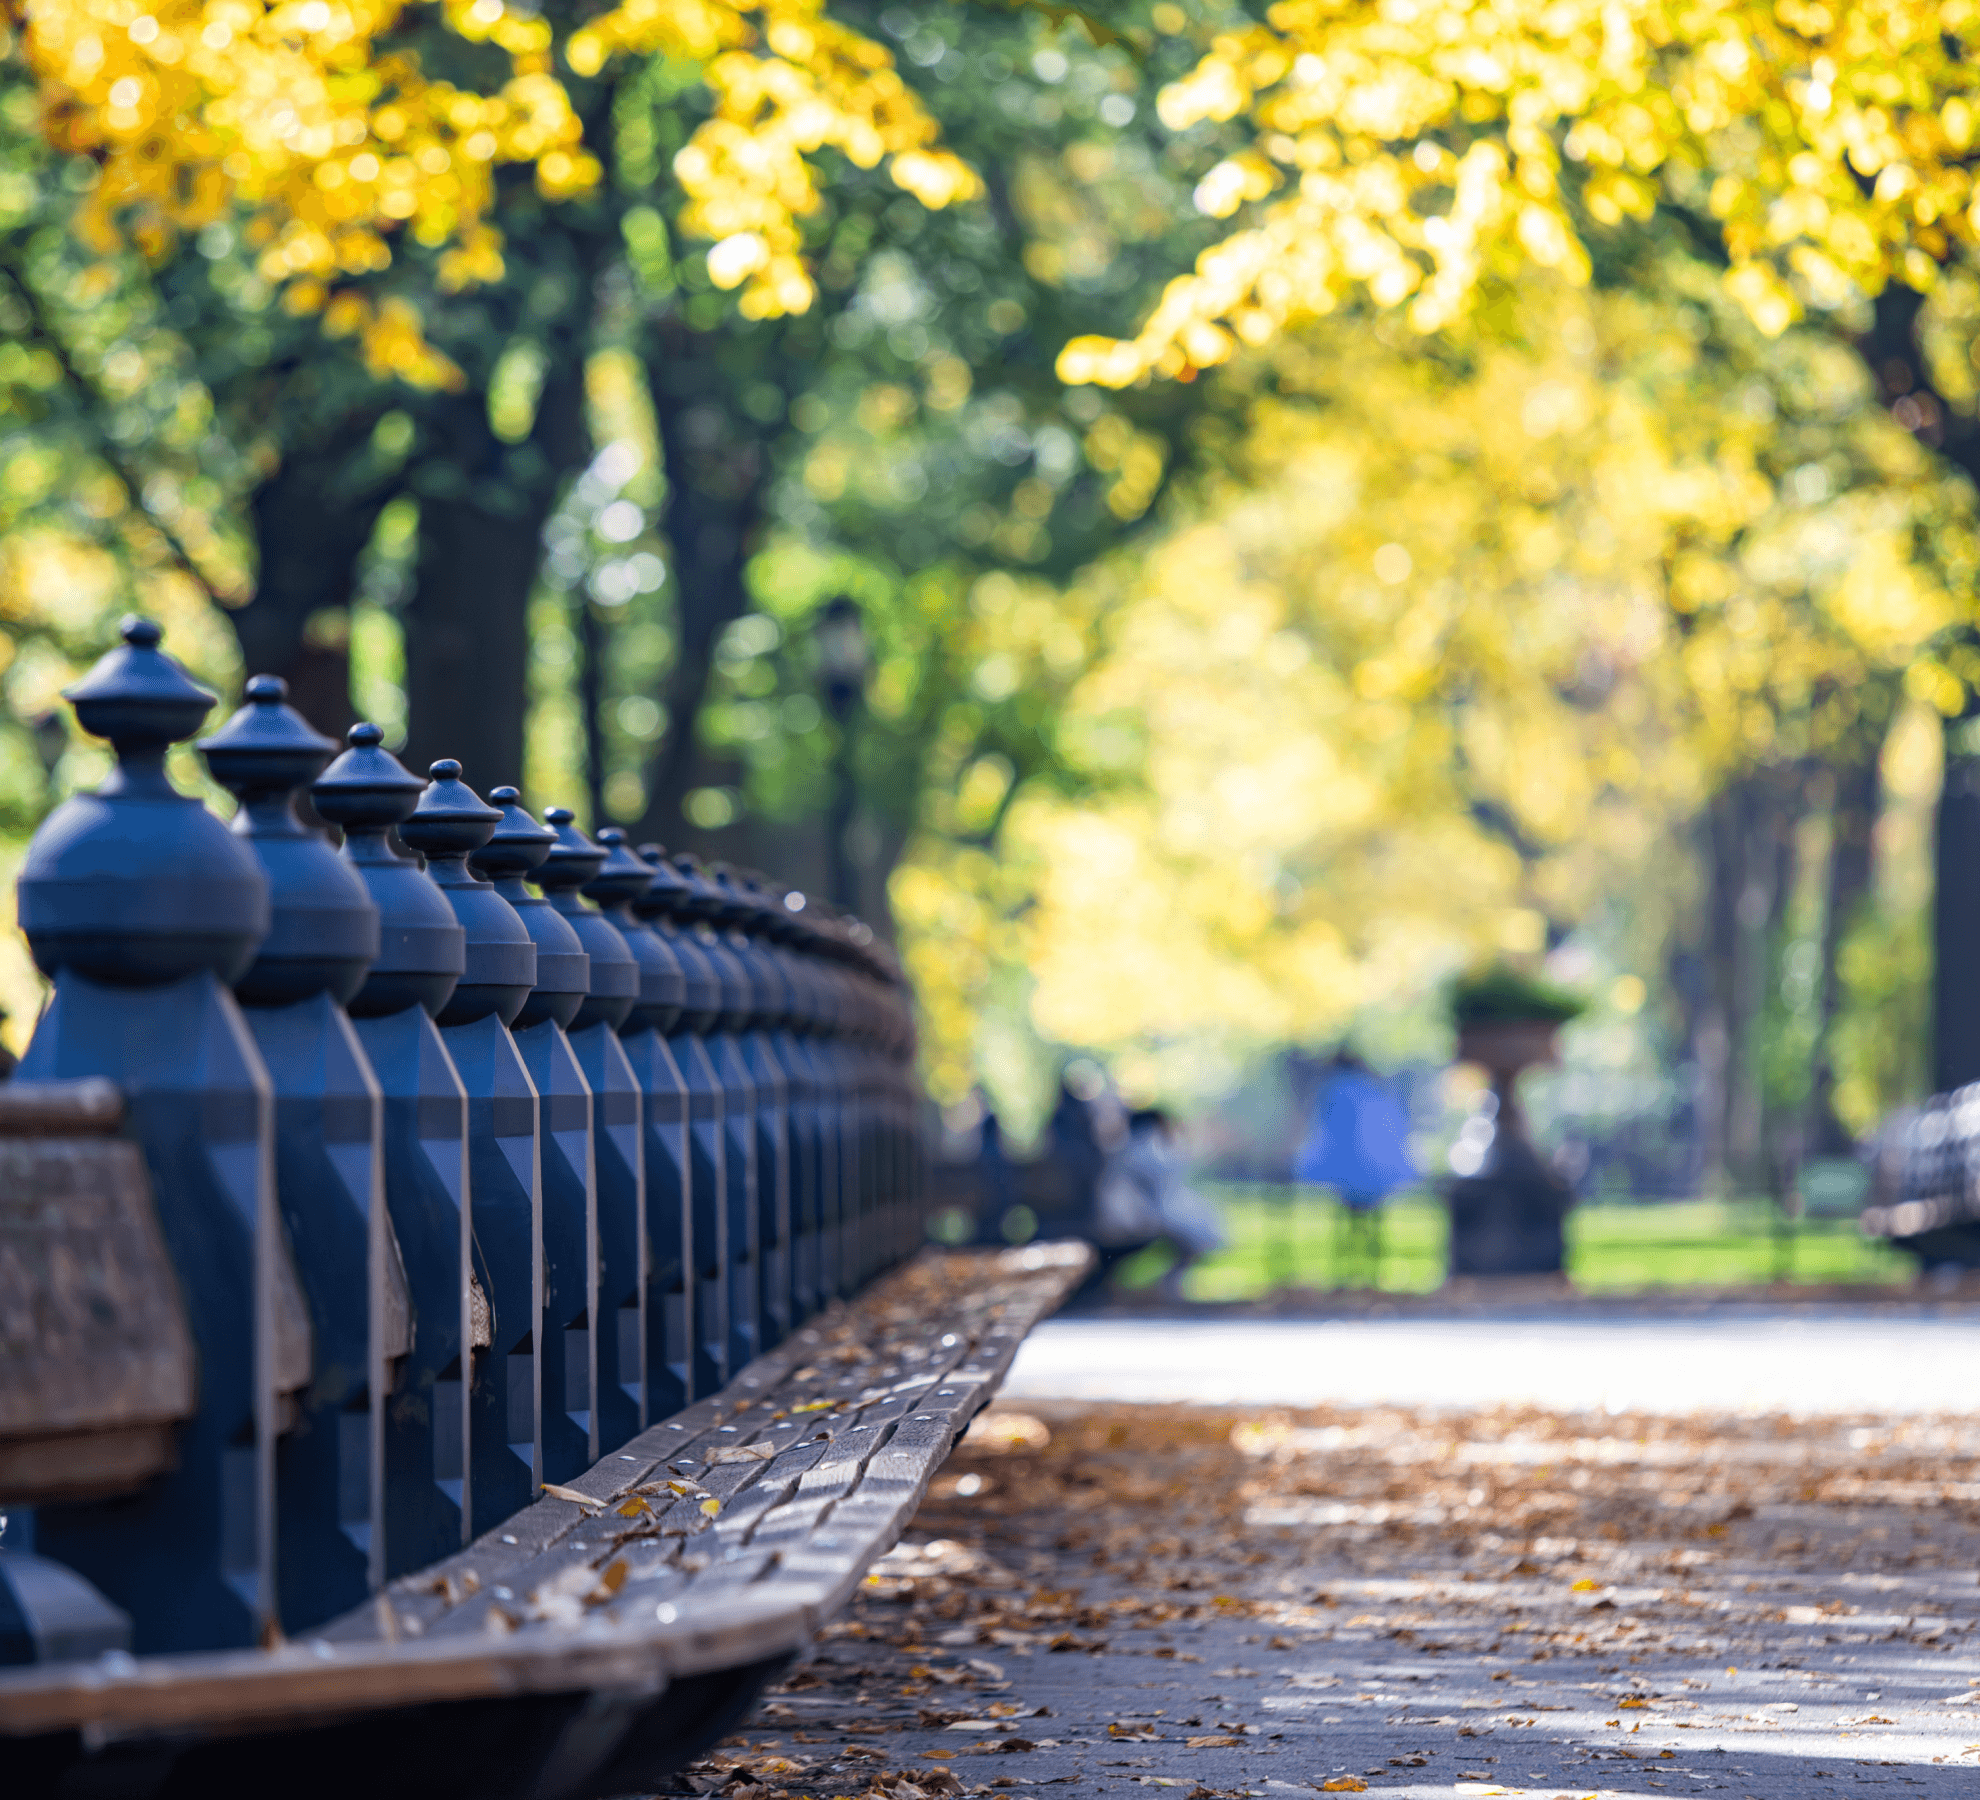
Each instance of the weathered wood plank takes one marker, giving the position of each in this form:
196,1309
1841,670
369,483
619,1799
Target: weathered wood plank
96,1361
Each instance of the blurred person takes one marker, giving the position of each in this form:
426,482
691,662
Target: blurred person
1087,1125
1145,1198
1357,1143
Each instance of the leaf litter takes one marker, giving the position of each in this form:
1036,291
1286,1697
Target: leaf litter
1580,1553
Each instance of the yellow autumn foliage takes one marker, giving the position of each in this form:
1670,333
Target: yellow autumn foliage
1409,149
321,123
1459,646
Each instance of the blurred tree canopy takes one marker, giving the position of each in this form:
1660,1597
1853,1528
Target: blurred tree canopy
1543,516
1467,636
1417,153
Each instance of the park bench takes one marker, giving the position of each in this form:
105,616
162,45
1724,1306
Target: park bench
454,1339
1925,1179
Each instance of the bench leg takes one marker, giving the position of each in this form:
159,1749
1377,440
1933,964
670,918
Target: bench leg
696,1712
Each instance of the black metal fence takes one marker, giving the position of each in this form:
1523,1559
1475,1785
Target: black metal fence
476,1146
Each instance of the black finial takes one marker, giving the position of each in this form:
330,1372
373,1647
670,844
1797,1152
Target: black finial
666,893
368,790
450,822
573,858
266,749
517,844
621,877
141,700
137,884
324,933
451,819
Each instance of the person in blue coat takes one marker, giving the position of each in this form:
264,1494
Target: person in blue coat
1357,1143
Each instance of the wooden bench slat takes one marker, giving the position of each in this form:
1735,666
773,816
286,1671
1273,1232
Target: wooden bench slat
527,1608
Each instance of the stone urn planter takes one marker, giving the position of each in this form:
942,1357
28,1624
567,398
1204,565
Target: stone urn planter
1506,1205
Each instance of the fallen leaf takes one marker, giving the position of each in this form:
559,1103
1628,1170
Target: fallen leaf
1344,1784
573,1496
742,1453
1211,1741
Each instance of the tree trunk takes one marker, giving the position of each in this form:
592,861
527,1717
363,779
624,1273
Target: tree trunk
1956,945
1891,349
1852,828
715,479
309,537
483,506
1750,840
591,700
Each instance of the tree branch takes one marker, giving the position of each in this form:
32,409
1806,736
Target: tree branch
42,330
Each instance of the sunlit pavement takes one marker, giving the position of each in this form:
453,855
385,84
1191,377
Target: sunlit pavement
1428,1603
1821,1644
1801,1360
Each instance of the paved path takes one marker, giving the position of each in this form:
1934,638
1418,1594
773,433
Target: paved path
1542,1553
1803,1361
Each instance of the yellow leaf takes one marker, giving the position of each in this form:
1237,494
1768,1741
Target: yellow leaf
1584,1586
1344,1784
711,1506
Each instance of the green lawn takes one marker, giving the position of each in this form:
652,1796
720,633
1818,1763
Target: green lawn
1292,1237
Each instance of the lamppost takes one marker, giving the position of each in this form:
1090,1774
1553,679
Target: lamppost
842,667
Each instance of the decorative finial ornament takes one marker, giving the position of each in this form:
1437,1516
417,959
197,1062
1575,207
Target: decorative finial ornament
141,700
517,848
517,845
613,986
666,895
423,948
450,822
620,881
664,907
137,885
324,933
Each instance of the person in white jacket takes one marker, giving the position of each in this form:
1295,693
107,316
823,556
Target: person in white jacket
1145,1198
